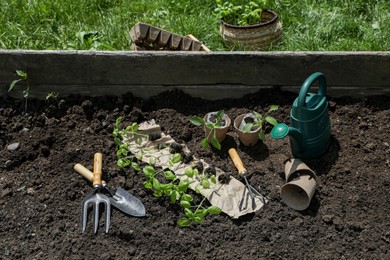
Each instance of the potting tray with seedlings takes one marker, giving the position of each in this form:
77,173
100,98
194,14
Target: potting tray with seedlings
314,181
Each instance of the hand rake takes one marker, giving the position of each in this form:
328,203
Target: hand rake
243,172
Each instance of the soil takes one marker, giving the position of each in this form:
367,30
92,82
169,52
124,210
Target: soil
41,195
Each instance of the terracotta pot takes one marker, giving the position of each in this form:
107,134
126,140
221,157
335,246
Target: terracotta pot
254,37
220,133
249,138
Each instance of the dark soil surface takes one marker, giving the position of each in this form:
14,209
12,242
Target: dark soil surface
41,195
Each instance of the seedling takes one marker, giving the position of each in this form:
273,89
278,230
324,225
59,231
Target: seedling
52,96
260,122
217,122
22,77
163,182
239,12
88,41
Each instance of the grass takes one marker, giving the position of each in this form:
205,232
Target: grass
308,25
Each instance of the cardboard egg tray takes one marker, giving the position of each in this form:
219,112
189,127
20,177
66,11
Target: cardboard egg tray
147,37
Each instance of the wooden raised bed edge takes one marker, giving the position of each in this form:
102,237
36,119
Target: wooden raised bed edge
200,74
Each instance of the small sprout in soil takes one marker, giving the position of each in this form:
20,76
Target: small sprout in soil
22,77
217,121
52,96
260,121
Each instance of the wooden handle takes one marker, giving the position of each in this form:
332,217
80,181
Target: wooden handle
97,170
86,173
237,161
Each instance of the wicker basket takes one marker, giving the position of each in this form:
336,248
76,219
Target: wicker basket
254,37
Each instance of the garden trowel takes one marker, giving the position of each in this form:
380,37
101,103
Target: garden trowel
122,199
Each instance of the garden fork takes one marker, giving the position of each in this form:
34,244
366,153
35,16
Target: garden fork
96,198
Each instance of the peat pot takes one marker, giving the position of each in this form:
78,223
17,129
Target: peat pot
221,132
254,37
250,138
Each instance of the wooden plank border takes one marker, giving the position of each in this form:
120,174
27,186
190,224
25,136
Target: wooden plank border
147,73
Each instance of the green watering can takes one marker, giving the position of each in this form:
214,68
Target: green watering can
310,128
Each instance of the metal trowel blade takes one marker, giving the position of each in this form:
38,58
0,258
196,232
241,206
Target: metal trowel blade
127,203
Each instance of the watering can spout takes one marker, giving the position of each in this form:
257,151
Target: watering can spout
282,130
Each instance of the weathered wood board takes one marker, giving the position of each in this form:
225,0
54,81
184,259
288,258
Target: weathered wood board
200,73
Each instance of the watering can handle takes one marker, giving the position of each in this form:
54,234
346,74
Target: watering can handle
307,84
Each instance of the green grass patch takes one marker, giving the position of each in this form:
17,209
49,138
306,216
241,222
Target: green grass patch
308,25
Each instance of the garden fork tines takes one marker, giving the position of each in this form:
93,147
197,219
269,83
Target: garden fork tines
243,172
96,198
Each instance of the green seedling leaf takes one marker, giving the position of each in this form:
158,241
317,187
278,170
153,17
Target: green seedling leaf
168,193
158,193
201,212
176,158
149,171
196,120
273,108
205,143
196,172
169,175
175,196
220,115
135,166
21,74
214,210
12,85
262,135
187,197
185,204
117,141
205,184
139,155
133,128
210,125
148,184
213,179
122,163
118,122
156,184
247,127
151,161
198,219
197,189
258,116
271,120
183,185
214,142
184,222
189,213
166,188
189,172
